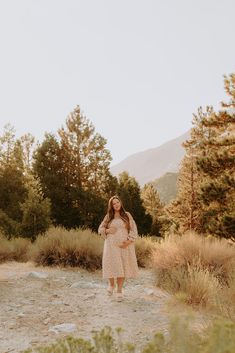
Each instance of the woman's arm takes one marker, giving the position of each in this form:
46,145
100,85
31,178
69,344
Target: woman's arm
133,234
102,228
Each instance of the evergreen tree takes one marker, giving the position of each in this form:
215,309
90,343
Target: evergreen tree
48,166
36,210
12,180
154,207
74,173
85,158
206,188
218,168
27,145
130,194
184,210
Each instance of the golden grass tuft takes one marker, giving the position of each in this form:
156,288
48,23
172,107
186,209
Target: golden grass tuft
77,247
81,247
16,249
145,247
203,269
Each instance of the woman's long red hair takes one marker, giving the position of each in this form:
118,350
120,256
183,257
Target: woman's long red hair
111,212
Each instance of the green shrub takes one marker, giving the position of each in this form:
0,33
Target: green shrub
182,338
8,226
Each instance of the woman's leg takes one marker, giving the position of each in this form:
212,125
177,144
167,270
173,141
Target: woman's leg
111,282
120,281
110,288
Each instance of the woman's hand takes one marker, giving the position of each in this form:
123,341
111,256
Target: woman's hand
111,230
125,244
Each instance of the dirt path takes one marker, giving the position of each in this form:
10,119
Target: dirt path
32,306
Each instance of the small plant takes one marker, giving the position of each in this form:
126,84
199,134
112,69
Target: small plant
182,338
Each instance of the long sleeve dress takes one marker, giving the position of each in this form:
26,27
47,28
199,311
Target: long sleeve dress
116,261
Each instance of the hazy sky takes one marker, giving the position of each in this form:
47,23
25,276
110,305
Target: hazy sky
137,68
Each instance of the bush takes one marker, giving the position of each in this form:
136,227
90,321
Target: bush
201,268
144,247
16,249
78,247
81,247
182,338
8,226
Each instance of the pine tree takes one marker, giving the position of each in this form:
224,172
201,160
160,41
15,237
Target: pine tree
206,188
130,194
27,145
154,207
218,168
36,210
85,158
48,167
184,209
74,173
12,180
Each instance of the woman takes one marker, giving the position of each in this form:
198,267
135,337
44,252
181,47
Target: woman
119,230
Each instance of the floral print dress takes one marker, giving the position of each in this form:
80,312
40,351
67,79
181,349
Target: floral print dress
116,261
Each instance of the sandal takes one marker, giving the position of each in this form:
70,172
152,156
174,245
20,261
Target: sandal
119,297
110,290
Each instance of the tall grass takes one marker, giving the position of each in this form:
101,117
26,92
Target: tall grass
80,247
145,247
198,269
77,247
16,249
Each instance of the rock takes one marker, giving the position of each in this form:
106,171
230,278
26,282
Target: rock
25,302
149,291
66,327
46,321
89,296
21,315
57,302
85,285
35,274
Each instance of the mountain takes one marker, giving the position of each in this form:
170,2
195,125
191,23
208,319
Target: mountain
153,163
166,186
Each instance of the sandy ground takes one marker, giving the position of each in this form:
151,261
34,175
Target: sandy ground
31,306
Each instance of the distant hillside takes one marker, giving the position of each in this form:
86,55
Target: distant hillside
166,186
153,163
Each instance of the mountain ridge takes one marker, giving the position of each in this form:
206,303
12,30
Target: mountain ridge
153,163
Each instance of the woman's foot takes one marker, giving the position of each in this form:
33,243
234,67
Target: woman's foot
110,289
119,296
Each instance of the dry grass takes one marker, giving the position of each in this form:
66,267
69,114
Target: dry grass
16,249
77,247
63,247
81,247
198,269
145,247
